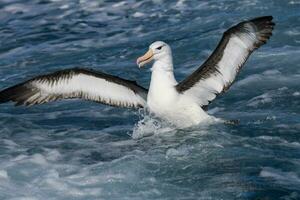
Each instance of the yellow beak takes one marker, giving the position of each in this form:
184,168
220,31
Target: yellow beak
141,61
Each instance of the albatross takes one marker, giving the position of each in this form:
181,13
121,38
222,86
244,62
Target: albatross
180,103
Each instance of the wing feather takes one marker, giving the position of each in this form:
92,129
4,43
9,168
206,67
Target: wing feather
218,72
77,83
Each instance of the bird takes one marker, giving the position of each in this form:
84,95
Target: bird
183,103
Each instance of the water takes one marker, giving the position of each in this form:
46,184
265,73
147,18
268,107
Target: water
82,150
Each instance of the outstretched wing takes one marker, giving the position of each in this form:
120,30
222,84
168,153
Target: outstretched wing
218,72
77,83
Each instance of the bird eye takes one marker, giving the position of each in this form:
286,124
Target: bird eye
159,48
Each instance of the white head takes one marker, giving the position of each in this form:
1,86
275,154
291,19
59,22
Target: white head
158,51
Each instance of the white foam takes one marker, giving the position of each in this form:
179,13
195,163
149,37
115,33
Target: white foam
138,14
3,174
267,97
10,143
285,178
65,6
295,94
294,2
17,7
261,99
61,186
19,158
280,141
150,126
24,198
249,79
271,72
215,110
157,1
292,32
38,159
180,4
119,4
181,151
53,155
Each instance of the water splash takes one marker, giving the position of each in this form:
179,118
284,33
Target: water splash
149,125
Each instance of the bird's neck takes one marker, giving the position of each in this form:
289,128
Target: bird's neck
165,63
162,90
162,81
162,74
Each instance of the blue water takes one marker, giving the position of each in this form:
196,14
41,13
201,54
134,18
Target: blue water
81,150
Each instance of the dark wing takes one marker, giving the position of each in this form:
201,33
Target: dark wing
218,72
77,83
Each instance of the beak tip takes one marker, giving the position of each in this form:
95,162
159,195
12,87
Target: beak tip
138,64
141,61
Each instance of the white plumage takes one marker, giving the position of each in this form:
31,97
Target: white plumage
92,88
77,83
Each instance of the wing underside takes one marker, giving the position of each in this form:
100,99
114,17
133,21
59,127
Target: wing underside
77,83
219,71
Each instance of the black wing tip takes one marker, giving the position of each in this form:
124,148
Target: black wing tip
263,27
264,18
263,22
18,94
7,94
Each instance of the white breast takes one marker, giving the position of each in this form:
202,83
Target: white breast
165,102
162,95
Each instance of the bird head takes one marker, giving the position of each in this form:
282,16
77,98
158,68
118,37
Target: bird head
157,51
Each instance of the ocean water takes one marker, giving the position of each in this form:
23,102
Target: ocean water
82,150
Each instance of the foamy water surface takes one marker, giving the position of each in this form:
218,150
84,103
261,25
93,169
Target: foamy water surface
82,150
